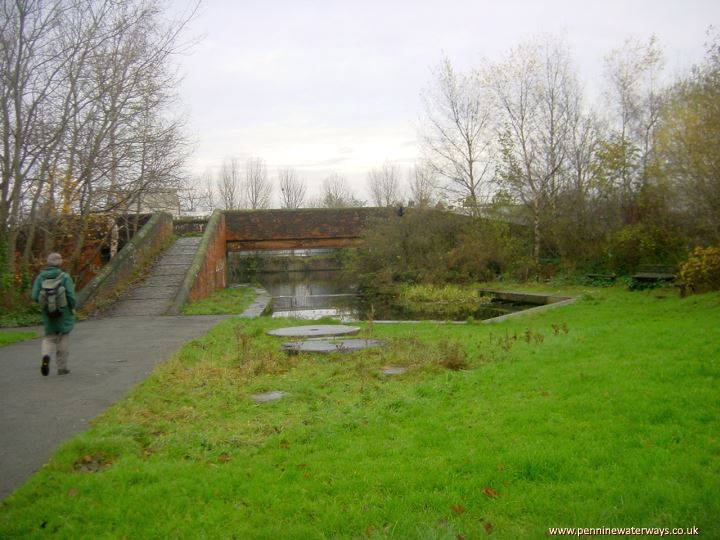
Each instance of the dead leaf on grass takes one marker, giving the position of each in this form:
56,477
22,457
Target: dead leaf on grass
488,527
72,492
489,492
458,509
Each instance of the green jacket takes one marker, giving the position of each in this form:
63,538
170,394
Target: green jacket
65,323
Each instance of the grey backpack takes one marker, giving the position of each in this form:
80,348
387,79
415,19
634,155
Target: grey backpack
53,299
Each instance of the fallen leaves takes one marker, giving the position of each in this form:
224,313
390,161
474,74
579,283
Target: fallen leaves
89,463
458,509
489,492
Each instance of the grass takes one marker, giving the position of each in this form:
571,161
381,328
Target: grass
233,300
602,413
443,302
8,337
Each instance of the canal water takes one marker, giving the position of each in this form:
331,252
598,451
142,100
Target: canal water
311,294
310,284
306,284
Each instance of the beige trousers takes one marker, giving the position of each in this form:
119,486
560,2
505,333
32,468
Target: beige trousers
57,345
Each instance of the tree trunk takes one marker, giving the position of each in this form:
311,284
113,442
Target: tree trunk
536,231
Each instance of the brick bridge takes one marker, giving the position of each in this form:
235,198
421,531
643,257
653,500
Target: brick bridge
295,229
246,230
201,269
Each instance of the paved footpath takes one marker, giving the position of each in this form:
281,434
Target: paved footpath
108,356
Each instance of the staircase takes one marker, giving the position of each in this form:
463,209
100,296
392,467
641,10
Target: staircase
154,295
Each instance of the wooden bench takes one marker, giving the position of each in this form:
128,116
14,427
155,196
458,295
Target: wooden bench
650,275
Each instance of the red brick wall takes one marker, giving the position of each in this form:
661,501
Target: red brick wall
211,275
260,228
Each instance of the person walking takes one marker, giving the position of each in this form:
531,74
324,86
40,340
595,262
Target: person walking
55,291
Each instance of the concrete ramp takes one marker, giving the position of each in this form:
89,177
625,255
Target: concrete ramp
155,295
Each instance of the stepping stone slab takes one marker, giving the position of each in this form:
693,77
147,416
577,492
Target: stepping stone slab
320,346
268,396
389,370
313,330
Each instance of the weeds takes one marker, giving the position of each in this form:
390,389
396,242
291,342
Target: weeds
452,356
557,328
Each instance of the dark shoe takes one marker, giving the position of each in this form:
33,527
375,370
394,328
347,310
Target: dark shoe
45,367
63,371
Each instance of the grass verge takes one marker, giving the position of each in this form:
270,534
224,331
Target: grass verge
604,413
8,337
233,300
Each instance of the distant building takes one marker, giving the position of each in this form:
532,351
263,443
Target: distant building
159,200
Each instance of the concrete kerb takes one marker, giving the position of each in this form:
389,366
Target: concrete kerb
261,304
555,302
126,256
191,275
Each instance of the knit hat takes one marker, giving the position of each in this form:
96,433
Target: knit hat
54,259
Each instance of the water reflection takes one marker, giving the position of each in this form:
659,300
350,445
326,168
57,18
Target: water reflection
311,294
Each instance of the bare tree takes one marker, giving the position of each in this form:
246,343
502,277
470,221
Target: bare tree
423,186
689,146
258,188
384,185
457,139
337,194
634,99
84,103
537,96
196,195
292,188
229,186
30,63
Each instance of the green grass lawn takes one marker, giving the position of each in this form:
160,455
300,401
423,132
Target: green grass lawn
232,300
11,336
604,413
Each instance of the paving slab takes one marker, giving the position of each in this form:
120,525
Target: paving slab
108,356
322,346
313,330
391,370
267,397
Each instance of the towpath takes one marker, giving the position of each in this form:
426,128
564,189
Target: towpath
108,356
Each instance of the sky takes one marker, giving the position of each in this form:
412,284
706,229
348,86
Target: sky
335,86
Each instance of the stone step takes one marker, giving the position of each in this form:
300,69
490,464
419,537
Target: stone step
183,252
177,259
170,270
154,295
128,308
170,280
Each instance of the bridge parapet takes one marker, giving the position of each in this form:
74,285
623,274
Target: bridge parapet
207,271
138,253
296,228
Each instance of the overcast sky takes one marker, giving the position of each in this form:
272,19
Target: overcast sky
334,86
